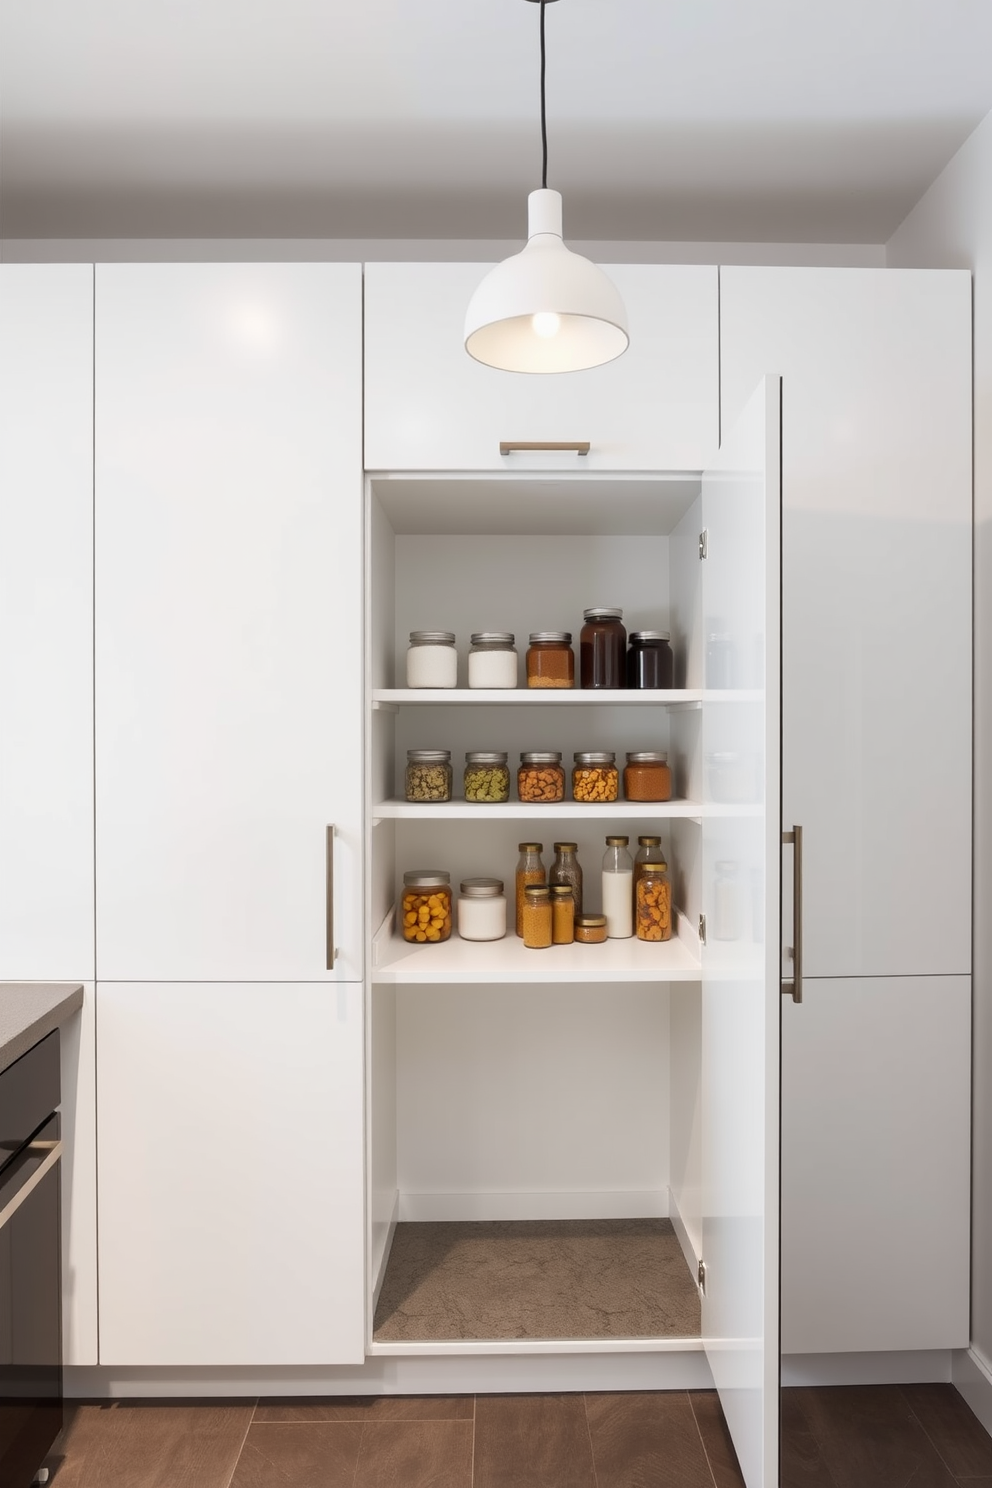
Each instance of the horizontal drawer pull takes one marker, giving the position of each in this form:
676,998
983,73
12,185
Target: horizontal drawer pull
517,446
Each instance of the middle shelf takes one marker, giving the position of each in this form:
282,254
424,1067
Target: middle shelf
581,811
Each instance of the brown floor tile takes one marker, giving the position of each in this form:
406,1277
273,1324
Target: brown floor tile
415,1454
652,1438
803,1465
960,1438
532,1441
303,1454
152,1446
716,1439
368,1408
869,1438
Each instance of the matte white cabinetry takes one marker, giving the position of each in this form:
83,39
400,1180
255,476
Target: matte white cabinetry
46,622
231,1174
875,1165
228,653
429,406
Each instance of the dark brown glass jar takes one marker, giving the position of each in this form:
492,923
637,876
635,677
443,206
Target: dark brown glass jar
650,662
602,649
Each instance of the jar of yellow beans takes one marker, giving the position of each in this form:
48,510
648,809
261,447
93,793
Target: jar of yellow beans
425,907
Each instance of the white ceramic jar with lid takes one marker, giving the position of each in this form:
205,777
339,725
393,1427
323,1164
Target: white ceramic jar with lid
481,909
492,661
431,659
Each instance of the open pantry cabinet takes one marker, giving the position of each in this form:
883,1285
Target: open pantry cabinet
595,1089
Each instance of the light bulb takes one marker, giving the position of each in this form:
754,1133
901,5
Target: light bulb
546,324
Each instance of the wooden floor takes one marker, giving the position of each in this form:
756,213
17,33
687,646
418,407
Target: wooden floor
882,1437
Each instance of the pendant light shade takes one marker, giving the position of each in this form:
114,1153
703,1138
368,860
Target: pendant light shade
546,309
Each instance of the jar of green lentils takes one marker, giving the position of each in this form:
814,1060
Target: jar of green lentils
428,774
487,776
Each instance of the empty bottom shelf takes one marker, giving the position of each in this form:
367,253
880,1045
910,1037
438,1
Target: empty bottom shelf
502,1279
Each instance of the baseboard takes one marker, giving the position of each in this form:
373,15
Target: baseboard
381,1260
426,1207
971,1375
912,1367
692,1258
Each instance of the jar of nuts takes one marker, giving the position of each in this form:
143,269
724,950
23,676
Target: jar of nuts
653,901
425,908
595,776
487,777
541,776
428,774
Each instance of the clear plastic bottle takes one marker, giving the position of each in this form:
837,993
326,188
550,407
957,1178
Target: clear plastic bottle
530,870
618,889
566,870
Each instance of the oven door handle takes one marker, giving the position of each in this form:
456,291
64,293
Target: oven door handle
27,1189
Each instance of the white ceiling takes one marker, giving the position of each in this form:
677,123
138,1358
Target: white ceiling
739,120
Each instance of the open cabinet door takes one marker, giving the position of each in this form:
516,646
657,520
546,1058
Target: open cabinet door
741,837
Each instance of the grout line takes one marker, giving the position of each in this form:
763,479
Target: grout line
905,1400
358,1454
471,1469
234,1465
592,1449
702,1441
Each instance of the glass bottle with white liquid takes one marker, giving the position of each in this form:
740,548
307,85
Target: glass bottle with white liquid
618,881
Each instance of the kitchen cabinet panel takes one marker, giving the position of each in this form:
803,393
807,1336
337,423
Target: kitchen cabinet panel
230,1150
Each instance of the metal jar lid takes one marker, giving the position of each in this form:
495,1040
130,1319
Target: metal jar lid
541,757
561,889
566,847
503,639
481,888
649,841
599,613
428,756
595,757
530,847
432,638
617,841
486,757
647,863
650,635
648,757
590,922
537,891
557,637
426,878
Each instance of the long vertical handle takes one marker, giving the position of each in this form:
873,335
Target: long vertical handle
795,986
329,910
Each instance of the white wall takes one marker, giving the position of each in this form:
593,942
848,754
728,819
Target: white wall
951,227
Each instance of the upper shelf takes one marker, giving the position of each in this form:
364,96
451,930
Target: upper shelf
533,697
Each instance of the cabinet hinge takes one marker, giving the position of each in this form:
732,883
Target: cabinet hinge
703,543
701,1276
702,929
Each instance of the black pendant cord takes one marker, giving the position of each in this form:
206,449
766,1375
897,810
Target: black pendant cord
544,115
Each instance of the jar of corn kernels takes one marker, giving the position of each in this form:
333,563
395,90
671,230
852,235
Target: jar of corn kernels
595,776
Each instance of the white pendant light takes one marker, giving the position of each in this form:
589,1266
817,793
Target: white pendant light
546,309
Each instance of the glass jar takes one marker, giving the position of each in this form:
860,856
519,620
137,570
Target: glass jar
648,851
550,659
562,915
595,776
487,777
618,891
492,661
590,929
431,660
425,907
537,916
541,776
602,649
481,909
530,870
731,778
566,870
428,774
653,901
650,662
647,777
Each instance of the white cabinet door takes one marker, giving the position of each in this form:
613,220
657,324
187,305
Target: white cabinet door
876,551
876,1116
429,406
228,620
230,1146
46,622
741,501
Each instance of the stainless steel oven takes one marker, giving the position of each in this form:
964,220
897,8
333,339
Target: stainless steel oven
30,1264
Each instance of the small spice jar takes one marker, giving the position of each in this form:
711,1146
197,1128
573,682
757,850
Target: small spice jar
647,776
541,776
550,659
492,661
428,774
425,912
590,929
537,916
530,870
650,662
562,915
602,649
595,776
653,901
431,660
487,777
481,909
566,869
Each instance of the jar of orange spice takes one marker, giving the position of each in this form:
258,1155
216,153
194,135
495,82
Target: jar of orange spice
647,776
530,870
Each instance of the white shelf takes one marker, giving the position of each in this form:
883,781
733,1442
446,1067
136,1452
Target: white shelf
509,960
535,697
460,810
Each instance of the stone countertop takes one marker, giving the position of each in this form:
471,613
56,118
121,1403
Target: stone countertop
29,1011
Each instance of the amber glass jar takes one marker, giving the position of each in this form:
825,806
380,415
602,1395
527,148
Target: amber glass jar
650,662
550,659
590,929
537,916
530,870
595,776
562,915
647,777
653,901
566,870
425,907
541,776
602,649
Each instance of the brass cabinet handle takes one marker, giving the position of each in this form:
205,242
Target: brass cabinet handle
329,912
795,985
54,1152
516,446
